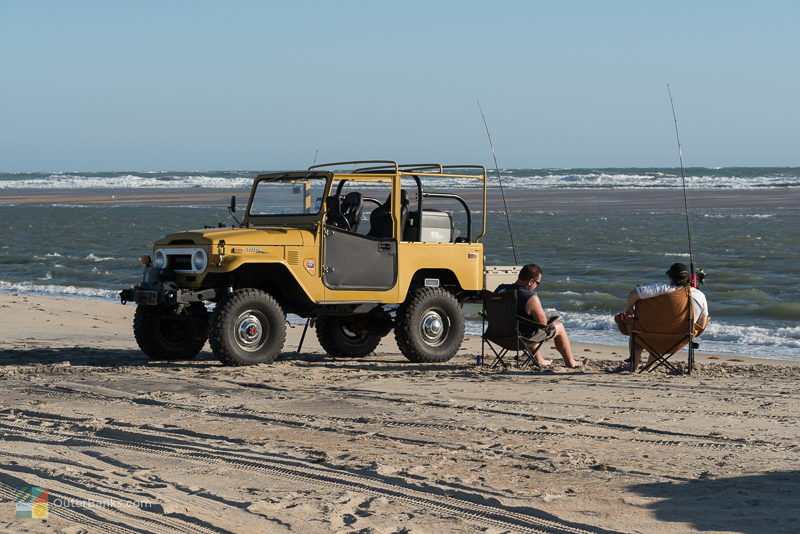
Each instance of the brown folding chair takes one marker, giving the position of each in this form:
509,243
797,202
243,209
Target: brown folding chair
662,326
501,330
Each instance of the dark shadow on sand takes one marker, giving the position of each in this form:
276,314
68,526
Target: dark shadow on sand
96,357
366,364
754,504
396,363
88,356
50,358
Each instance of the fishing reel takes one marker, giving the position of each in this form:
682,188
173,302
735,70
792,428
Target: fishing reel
699,278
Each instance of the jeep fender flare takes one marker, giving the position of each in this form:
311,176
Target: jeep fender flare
274,278
444,278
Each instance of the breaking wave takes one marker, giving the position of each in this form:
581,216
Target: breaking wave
28,288
621,178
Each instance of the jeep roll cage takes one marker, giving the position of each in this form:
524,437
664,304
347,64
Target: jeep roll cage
415,171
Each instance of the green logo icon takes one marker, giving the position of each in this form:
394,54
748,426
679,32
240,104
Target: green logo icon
31,502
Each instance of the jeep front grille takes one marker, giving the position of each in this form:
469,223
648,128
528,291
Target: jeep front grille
179,262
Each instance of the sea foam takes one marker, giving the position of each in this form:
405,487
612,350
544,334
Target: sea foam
129,181
57,290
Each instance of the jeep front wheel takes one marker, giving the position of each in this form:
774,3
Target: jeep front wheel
344,339
247,327
163,334
429,326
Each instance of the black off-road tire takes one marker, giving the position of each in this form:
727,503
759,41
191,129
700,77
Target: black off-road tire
341,340
247,327
164,335
429,326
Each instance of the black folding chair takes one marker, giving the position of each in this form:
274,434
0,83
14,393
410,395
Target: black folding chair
501,330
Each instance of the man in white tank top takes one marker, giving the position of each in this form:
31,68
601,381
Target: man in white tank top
679,276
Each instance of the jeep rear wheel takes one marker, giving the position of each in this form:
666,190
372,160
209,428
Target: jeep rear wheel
247,327
342,338
163,334
429,326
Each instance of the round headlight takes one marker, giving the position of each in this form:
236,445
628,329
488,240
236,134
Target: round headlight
199,260
159,259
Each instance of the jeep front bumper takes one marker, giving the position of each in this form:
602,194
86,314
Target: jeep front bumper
153,296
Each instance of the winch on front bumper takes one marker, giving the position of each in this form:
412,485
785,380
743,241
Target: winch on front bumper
154,291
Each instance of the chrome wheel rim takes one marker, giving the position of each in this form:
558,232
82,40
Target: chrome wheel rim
434,327
251,331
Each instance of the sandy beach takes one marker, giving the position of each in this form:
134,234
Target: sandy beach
313,444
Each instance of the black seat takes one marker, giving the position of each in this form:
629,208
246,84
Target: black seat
502,329
380,220
351,208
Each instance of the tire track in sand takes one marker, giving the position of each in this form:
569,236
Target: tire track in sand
300,470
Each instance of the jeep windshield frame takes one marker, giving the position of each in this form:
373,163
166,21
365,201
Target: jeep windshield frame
287,199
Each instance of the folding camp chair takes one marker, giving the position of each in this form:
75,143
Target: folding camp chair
502,333
662,326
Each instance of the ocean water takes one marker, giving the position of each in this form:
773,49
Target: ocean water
607,178
591,256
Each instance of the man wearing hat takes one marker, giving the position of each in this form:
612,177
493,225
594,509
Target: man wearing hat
679,276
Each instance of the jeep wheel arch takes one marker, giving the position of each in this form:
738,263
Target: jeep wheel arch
276,280
444,278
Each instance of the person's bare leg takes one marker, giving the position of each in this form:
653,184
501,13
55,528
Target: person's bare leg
564,347
637,355
541,360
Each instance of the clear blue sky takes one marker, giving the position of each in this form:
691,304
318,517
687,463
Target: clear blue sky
200,85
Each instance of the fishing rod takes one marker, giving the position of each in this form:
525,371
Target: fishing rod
700,274
500,181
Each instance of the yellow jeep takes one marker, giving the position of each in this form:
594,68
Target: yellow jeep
362,252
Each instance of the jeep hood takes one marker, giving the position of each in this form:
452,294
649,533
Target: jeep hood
239,237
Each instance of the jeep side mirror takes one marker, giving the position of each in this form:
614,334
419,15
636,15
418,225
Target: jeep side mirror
233,204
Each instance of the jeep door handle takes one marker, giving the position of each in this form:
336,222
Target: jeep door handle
385,246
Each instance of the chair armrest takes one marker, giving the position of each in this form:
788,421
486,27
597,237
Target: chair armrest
525,320
697,329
